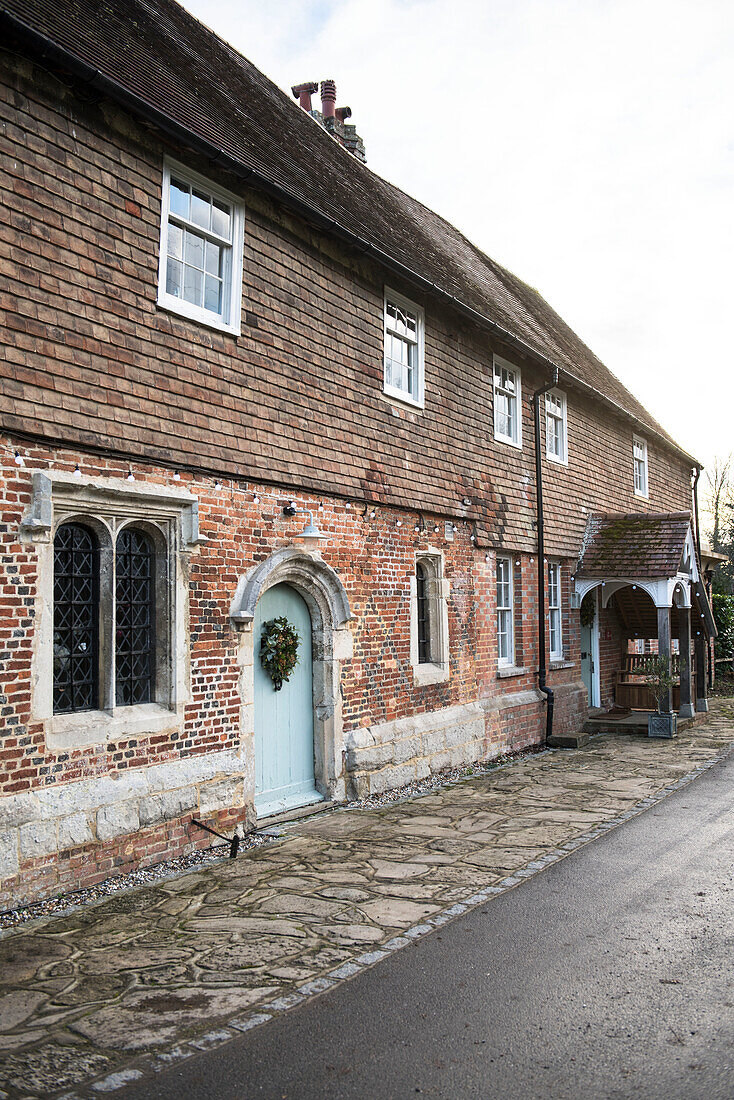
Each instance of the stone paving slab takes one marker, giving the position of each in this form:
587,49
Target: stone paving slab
91,999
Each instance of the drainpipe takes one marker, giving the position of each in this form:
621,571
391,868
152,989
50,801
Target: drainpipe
541,552
696,476
706,587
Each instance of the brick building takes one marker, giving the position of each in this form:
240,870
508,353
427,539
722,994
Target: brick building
248,380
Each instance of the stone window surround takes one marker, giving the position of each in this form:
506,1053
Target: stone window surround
437,671
170,517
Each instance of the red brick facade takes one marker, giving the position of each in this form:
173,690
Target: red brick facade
99,378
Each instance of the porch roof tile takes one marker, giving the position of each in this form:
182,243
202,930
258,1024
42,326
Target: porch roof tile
633,545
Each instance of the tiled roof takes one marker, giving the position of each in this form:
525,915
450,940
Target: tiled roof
163,59
635,545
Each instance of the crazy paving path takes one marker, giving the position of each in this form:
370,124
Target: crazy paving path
162,971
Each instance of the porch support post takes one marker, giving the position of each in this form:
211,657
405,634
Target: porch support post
700,650
684,637
666,699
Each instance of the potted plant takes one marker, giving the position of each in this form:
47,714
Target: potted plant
660,680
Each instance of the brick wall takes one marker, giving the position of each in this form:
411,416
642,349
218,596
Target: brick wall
475,714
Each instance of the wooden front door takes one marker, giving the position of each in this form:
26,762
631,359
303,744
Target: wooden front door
284,756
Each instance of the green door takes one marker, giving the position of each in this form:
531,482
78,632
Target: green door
284,761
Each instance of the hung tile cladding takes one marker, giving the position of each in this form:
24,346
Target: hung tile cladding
221,329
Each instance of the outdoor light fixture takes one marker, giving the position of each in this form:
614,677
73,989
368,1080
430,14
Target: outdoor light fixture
18,459
130,474
399,523
256,499
310,536
77,471
217,486
176,475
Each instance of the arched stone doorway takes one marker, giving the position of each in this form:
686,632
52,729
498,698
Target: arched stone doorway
317,585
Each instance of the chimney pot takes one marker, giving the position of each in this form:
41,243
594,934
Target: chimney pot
303,93
343,113
328,98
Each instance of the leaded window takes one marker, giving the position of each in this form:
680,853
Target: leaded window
135,618
76,619
424,614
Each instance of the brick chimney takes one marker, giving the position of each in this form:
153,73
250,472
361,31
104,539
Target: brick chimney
332,118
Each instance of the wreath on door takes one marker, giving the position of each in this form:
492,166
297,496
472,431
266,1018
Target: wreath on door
279,644
588,610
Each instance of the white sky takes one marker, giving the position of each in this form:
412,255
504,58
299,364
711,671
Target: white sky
588,145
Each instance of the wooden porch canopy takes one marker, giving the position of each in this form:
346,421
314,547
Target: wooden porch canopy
655,554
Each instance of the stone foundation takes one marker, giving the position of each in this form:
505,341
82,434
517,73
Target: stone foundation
72,836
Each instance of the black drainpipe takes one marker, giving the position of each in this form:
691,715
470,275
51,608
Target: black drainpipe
541,553
696,476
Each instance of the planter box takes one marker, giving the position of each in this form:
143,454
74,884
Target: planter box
662,725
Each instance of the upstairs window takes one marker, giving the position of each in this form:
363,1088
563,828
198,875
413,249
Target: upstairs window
507,425
403,349
555,628
200,273
505,613
556,426
639,461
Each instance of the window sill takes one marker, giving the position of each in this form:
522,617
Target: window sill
430,674
509,442
506,672
642,496
559,664
98,727
199,317
401,398
556,460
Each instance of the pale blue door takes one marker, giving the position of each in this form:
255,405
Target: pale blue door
284,760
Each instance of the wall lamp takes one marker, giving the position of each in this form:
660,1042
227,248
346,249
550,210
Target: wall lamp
310,536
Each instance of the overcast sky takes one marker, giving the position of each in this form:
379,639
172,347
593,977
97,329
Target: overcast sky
588,145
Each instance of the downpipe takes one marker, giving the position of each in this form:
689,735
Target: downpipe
542,669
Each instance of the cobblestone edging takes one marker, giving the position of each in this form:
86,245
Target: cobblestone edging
551,786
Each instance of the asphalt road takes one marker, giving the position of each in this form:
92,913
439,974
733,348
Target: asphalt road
609,975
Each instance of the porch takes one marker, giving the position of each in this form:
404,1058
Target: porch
639,576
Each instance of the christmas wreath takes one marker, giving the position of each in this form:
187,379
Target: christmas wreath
588,610
279,650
